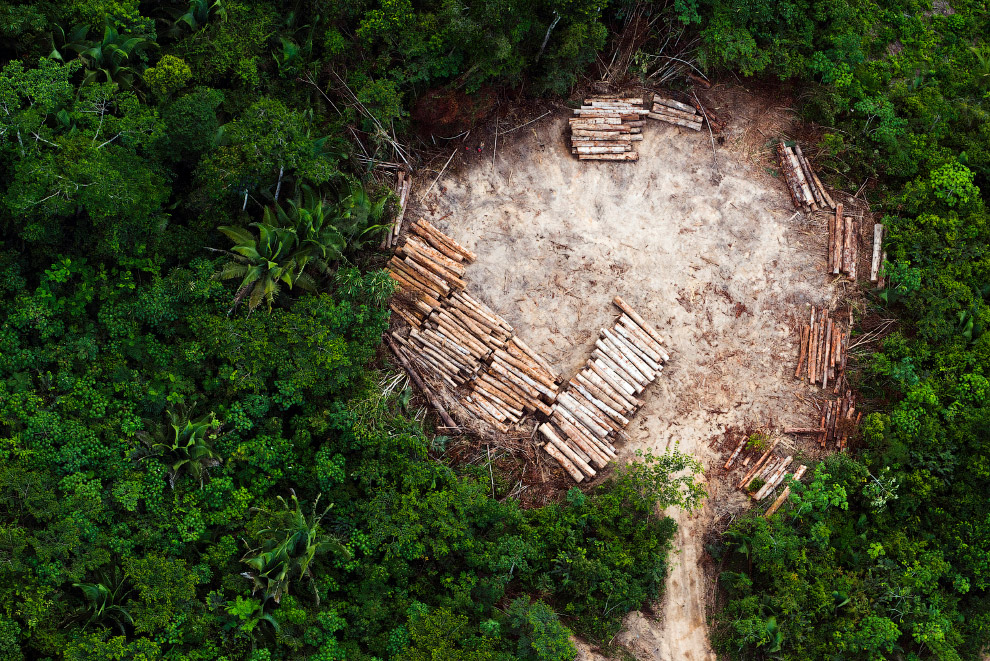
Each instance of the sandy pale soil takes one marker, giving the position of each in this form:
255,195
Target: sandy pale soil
720,268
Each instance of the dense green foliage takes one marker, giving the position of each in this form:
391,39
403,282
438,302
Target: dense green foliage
198,456
887,556
200,460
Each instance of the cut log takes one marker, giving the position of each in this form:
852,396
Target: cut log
732,458
877,241
790,178
537,358
453,245
608,397
688,116
670,103
566,450
809,175
813,349
757,466
564,462
677,121
847,242
414,376
634,316
640,341
628,156
602,379
605,135
775,479
633,349
828,350
639,334
806,195
803,351
837,239
618,370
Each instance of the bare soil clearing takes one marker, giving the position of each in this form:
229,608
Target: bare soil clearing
721,269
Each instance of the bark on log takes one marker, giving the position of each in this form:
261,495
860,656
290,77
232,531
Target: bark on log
692,116
790,179
877,241
430,396
645,339
618,370
806,194
670,103
564,462
732,458
847,240
813,349
808,175
839,232
828,351
599,377
605,135
536,357
566,422
628,156
602,406
757,466
634,351
584,378
644,346
677,121
619,357
640,322
468,255
803,351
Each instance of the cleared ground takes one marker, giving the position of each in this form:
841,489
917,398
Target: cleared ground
719,264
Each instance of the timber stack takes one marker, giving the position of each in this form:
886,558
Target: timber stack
403,182
843,245
605,128
427,269
765,474
595,406
838,419
514,382
823,350
676,113
806,189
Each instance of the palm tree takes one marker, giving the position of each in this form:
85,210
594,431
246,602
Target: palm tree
112,59
200,12
359,217
183,443
264,263
294,541
104,600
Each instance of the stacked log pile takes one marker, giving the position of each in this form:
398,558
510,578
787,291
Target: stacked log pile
803,184
843,245
605,128
594,407
427,269
677,113
771,470
403,182
838,420
823,350
515,381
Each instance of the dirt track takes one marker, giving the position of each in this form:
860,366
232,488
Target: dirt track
719,268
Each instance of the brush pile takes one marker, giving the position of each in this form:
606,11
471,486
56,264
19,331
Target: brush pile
803,184
596,404
766,474
604,128
823,350
677,113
